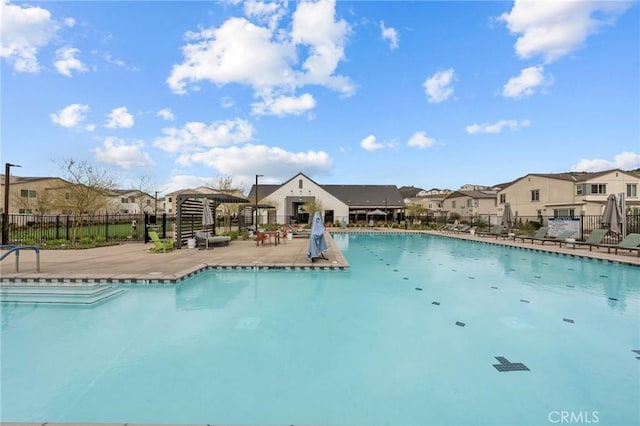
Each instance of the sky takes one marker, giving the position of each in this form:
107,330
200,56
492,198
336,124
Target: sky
168,95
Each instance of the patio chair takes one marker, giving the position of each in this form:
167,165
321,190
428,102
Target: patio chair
159,244
496,230
208,239
595,239
540,234
631,242
561,238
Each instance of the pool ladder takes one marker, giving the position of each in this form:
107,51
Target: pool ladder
12,248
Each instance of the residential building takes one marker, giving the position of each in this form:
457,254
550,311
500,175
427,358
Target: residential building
339,203
471,204
35,195
568,194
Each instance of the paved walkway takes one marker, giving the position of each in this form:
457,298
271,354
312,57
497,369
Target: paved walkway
132,262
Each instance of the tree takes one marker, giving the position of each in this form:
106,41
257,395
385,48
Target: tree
415,210
84,193
313,206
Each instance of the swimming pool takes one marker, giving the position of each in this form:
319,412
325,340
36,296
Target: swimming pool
420,330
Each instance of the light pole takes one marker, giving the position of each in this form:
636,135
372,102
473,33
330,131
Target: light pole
256,224
5,212
155,207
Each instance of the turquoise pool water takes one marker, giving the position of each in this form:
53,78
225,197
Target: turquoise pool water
415,333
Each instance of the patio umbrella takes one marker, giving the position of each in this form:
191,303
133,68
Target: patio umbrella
207,215
612,216
507,217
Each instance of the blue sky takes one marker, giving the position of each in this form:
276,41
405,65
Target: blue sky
422,93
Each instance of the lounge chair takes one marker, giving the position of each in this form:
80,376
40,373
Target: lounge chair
540,235
159,244
595,239
496,230
561,238
462,228
631,242
207,239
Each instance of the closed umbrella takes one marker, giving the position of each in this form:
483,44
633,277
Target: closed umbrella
507,217
207,215
612,216
317,243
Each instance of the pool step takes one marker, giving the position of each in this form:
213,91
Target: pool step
59,295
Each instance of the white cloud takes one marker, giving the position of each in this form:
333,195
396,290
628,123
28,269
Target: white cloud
69,22
526,83
166,114
268,12
265,58
494,128
552,29
284,105
226,102
117,152
370,143
66,61
70,116
274,163
120,118
438,87
194,136
421,140
626,161
390,34
23,31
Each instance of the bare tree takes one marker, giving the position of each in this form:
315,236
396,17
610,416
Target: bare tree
84,194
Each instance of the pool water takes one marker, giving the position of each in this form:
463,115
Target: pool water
420,330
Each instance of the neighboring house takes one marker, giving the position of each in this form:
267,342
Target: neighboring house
431,203
131,201
34,195
433,191
471,203
340,203
568,194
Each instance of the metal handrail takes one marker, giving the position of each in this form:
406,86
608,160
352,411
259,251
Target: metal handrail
12,248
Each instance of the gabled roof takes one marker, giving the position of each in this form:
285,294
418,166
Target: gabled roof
352,195
576,177
472,194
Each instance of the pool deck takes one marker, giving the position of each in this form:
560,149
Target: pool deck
132,262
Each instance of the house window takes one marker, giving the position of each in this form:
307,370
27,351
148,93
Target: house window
535,195
632,190
132,199
27,193
503,198
123,200
563,212
25,211
580,189
299,183
470,202
453,204
148,202
598,188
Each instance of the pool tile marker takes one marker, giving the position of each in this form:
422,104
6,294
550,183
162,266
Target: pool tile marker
569,320
636,351
435,303
524,301
505,365
460,324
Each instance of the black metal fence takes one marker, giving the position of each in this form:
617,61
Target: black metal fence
45,229
56,229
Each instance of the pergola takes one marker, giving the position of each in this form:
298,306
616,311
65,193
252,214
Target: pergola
190,210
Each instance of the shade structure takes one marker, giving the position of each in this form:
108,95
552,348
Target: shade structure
507,217
612,217
376,212
207,214
317,242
